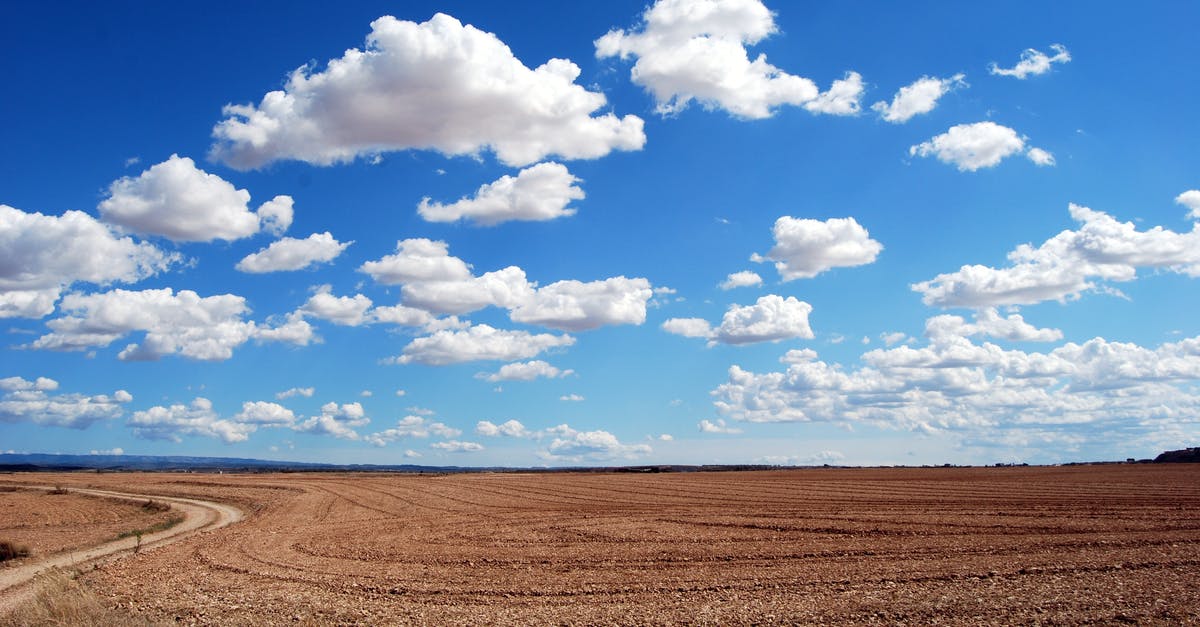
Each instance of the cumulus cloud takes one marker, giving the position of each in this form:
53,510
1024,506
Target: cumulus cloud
525,371
182,323
511,428
433,280
336,420
293,254
196,418
437,85
1191,200
455,446
918,98
22,400
970,147
42,255
305,392
1033,62
708,426
412,427
593,445
745,278
805,248
1039,156
264,414
179,201
1064,266
540,192
770,319
989,323
695,50
478,343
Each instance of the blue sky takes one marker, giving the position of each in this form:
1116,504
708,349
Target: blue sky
563,233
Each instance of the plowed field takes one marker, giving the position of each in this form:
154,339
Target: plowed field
1108,543
50,523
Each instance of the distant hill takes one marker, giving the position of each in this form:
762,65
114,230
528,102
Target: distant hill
1183,455
47,462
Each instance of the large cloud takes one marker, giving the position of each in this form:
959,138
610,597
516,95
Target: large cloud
179,201
479,343
417,259
183,323
293,254
592,445
919,97
805,248
1069,263
412,427
771,319
22,400
1033,62
437,85
41,255
971,147
1113,389
337,421
578,306
197,418
539,192
1191,200
695,50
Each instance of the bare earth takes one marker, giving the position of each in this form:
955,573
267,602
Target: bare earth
50,523
1109,544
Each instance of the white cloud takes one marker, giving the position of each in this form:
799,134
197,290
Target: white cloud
918,98
970,147
695,50
264,414
293,254
539,192
455,446
22,400
305,392
179,201
276,215
437,85
337,421
571,398
805,248
42,255
417,260
1033,62
180,323
344,310
593,445
708,426
895,337
511,428
1039,156
525,371
578,306
770,319
505,288
479,343
989,323
1191,200
400,393
1069,263
412,427
111,451
197,418
745,278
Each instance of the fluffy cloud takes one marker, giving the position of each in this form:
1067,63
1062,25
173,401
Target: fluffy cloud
695,50
305,392
264,414
293,254
337,421
919,97
539,192
525,371
41,255
771,319
436,282
412,427
1033,62
22,400
970,147
344,310
745,278
180,323
805,248
179,201
478,343
1191,200
989,323
197,418
708,426
1069,263
437,85
455,446
511,428
593,445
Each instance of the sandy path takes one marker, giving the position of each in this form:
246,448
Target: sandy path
198,516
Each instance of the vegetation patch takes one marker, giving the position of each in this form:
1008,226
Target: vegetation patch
12,551
155,528
61,600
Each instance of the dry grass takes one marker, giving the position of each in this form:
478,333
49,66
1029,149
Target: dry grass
12,550
61,600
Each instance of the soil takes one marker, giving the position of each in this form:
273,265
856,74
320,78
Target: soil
1106,543
51,523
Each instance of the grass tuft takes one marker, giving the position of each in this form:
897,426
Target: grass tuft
61,600
145,531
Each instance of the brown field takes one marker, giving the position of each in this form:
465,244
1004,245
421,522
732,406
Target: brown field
1113,543
50,523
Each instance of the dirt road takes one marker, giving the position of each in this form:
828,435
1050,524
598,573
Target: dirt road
198,516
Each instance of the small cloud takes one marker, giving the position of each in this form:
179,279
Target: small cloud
366,394
400,392
575,398
707,426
